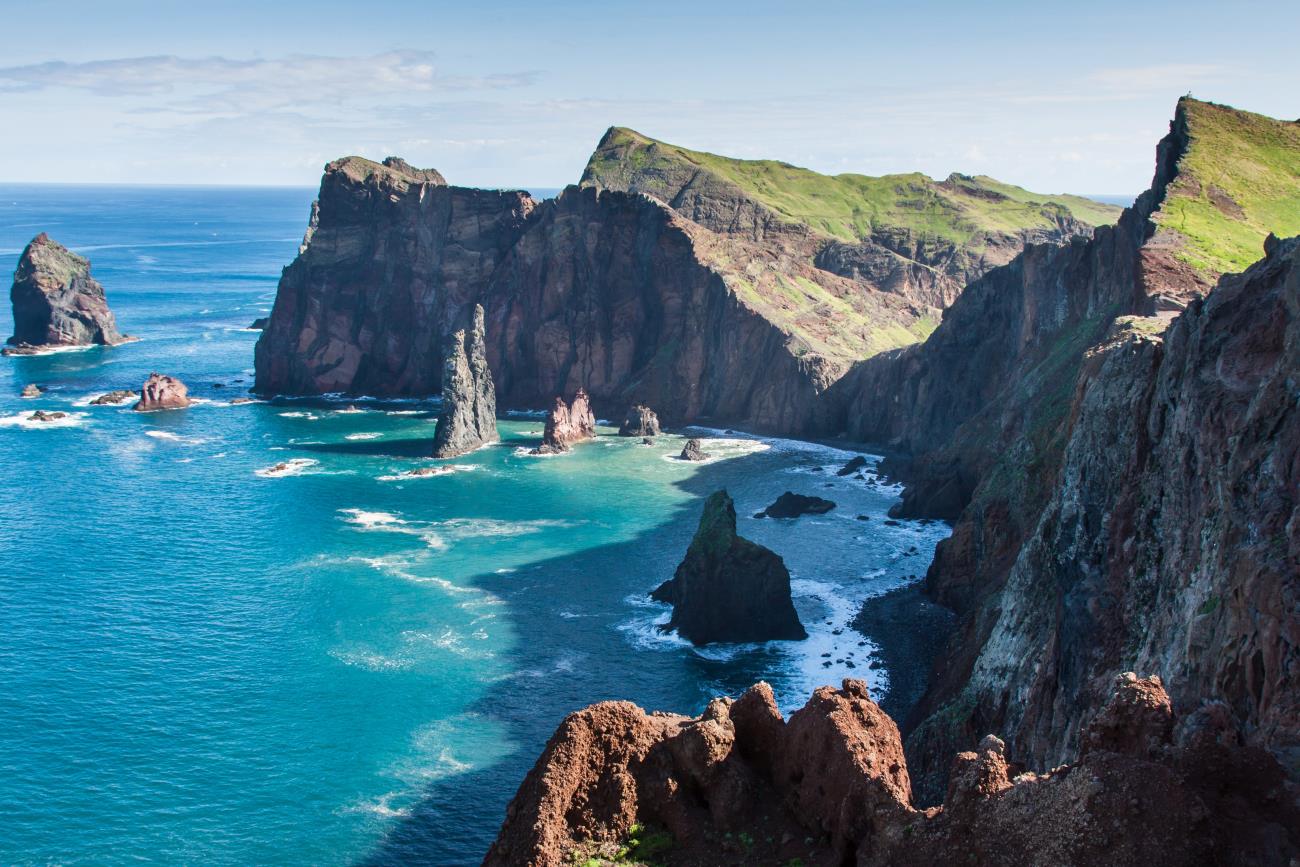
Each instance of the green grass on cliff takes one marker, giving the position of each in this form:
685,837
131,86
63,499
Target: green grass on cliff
848,206
1238,181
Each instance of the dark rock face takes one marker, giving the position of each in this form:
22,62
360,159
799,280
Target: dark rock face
729,589
31,389
641,421
854,465
42,415
792,505
56,302
567,424
162,392
391,259
260,323
692,451
469,405
831,787
114,397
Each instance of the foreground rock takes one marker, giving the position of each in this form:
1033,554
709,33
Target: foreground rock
162,392
113,398
641,421
830,786
729,589
56,302
567,424
693,452
792,505
468,418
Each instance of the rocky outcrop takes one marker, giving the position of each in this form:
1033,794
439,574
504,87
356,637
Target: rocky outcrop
566,424
56,302
792,505
112,398
641,421
727,588
31,389
42,415
392,258
741,785
693,451
162,392
468,418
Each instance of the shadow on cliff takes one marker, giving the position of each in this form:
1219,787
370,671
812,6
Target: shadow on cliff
574,647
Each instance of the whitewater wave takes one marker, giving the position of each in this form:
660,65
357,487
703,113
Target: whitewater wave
441,535
174,437
24,421
363,436
309,416
427,473
291,467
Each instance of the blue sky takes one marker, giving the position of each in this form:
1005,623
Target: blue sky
1053,96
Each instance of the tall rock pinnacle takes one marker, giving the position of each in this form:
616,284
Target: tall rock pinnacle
469,404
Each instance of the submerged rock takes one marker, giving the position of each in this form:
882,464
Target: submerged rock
113,397
792,505
728,588
56,302
162,392
641,421
567,424
42,415
31,390
469,404
692,452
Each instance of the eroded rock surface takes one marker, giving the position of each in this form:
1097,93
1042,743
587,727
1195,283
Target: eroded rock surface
468,418
56,302
728,588
641,421
161,392
792,505
693,451
566,424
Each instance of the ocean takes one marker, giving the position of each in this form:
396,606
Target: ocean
207,661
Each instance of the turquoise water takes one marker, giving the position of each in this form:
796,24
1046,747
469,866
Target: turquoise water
205,662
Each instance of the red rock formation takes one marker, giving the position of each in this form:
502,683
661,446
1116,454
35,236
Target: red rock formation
56,302
641,421
162,392
567,424
739,785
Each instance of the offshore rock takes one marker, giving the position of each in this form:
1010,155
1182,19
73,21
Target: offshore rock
792,505
42,415
468,418
831,787
56,302
162,392
729,589
112,398
641,421
567,424
692,451
31,389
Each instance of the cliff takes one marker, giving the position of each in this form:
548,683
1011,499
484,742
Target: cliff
830,786
56,302
727,588
468,418
982,412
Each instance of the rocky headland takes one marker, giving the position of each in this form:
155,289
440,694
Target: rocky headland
566,424
468,418
727,588
56,303
161,392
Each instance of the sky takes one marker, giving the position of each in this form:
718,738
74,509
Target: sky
1055,97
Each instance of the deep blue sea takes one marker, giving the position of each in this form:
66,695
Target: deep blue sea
205,663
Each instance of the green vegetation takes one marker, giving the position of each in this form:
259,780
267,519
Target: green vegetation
643,848
1238,181
849,206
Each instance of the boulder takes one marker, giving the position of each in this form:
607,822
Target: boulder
469,405
42,415
162,392
792,505
113,398
567,424
729,589
56,302
641,421
31,390
692,451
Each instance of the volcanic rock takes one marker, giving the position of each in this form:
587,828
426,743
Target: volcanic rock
641,421
728,588
56,302
260,323
162,392
42,415
855,463
113,397
792,505
468,418
692,451
567,424
31,389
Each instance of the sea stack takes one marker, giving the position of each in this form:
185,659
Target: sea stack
469,402
729,589
162,392
641,421
692,452
56,302
567,424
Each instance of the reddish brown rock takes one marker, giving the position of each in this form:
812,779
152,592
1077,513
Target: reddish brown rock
641,421
56,302
567,424
162,392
